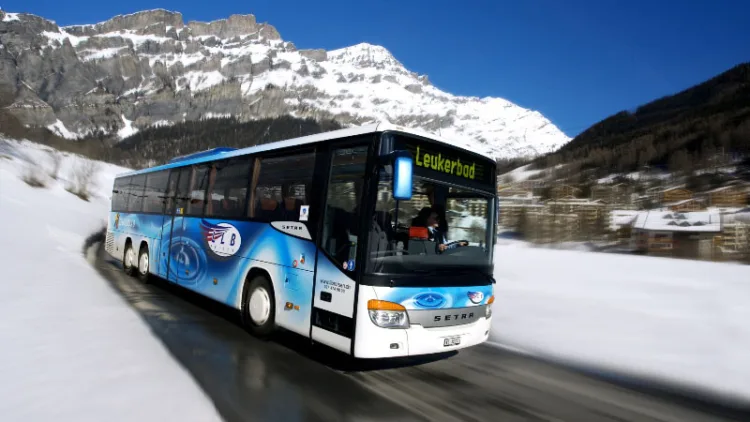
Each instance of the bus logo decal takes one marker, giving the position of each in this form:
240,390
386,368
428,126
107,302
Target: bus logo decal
222,238
117,220
476,297
429,300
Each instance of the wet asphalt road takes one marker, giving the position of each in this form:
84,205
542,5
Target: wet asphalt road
289,380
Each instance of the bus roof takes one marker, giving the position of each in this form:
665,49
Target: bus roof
221,152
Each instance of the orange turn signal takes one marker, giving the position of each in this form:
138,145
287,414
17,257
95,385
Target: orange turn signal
491,300
383,305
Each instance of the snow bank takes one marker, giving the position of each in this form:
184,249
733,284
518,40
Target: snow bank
72,348
676,320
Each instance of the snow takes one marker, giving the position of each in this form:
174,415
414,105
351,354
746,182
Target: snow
73,348
127,129
364,81
62,36
521,174
672,320
621,218
198,81
87,55
59,128
9,17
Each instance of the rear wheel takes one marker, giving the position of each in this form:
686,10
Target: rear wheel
128,260
143,265
260,308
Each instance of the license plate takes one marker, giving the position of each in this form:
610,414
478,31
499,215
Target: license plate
451,341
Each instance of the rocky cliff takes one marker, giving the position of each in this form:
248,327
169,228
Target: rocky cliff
150,69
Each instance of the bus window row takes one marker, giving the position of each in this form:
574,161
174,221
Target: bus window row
279,187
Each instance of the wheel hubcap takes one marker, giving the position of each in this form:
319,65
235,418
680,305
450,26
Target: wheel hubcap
129,258
143,263
260,306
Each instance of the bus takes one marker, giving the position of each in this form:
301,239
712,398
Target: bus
321,235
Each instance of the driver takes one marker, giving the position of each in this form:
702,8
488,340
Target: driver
437,235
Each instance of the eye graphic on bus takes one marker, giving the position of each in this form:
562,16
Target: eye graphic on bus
429,300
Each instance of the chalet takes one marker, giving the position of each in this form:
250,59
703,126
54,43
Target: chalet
659,195
616,194
734,242
729,196
687,205
563,191
685,235
621,223
676,194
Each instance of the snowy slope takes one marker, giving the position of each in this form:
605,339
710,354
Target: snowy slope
675,320
138,70
73,350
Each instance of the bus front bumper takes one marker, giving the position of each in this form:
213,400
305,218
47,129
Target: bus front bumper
377,342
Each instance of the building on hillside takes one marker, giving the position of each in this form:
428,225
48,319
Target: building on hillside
676,234
530,185
659,195
592,216
675,194
564,191
618,194
512,191
687,205
621,223
729,196
734,242
547,228
518,217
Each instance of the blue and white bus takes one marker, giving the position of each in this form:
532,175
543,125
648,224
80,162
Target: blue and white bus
321,235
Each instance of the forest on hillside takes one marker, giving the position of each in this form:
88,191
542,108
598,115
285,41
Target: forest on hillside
158,145
706,125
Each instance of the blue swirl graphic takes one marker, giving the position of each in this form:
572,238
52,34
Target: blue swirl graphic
189,257
429,300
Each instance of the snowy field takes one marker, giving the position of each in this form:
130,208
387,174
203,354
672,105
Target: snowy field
73,350
672,320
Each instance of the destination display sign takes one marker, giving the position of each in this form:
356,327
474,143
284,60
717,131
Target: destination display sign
448,161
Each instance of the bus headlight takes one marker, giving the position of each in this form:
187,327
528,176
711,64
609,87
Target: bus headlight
488,307
387,314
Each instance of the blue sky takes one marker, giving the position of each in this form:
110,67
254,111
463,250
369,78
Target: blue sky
575,61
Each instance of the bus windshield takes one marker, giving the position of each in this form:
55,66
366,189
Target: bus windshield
442,227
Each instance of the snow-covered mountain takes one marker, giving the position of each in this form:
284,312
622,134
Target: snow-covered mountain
150,68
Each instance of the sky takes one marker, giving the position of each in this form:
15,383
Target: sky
574,61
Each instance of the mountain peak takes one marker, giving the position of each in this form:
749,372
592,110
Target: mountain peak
151,69
364,55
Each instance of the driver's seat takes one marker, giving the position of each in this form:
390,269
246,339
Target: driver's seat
419,243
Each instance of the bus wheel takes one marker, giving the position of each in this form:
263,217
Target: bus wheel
143,265
128,260
260,307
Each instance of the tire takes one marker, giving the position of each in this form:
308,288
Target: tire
259,307
144,262
128,257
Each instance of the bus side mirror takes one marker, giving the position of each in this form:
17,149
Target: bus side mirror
403,167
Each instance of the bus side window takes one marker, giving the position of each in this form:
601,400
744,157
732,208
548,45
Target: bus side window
137,186
197,192
227,188
279,187
156,185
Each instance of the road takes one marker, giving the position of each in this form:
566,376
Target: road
287,379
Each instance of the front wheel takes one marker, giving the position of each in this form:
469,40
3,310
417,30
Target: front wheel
260,307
